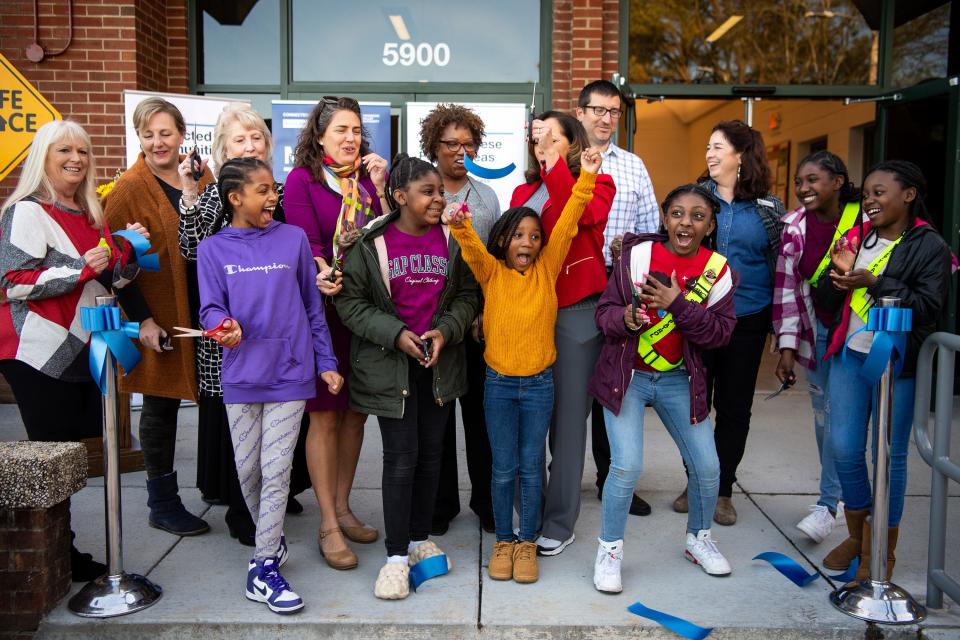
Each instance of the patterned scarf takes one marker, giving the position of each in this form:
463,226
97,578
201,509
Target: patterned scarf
354,208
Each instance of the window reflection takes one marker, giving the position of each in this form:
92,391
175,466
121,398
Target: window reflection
822,42
240,42
920,48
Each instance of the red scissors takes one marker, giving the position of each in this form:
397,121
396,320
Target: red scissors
213,334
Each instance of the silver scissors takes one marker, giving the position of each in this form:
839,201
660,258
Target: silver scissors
786,384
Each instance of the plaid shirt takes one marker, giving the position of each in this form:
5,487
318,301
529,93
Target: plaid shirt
634,206
793,318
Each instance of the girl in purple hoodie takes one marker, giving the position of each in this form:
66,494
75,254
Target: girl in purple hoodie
667,300
258,298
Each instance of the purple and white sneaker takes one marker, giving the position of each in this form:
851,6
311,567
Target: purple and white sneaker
265,584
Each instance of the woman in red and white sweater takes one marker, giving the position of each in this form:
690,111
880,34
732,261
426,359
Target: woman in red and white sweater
56,256
582,279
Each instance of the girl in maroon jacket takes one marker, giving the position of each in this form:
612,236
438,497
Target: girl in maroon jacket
668,298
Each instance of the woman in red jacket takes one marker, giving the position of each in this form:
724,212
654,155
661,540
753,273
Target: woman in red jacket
582,279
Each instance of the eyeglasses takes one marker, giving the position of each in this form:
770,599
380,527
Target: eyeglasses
454,145
602,111
339,103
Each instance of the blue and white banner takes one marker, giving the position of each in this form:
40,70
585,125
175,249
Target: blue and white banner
289,116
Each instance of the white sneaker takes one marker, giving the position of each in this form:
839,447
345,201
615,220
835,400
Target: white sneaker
702,550
606,570
818,524
550,547
265,584
393,582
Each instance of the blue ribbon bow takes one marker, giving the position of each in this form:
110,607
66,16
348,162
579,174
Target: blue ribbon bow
484,172
109,337
788,567
890,326
147,261
428,568
679,626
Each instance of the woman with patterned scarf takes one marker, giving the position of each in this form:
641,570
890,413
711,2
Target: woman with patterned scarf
336,187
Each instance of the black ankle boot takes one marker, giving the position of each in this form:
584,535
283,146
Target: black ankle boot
82,565
166,510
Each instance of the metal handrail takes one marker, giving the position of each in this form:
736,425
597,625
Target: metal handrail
936,453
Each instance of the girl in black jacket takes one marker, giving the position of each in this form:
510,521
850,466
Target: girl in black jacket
897,253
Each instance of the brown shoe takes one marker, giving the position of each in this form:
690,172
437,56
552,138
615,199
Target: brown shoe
863,569
339,560
362,534
725,513
842,555
680,505
501,561
525,562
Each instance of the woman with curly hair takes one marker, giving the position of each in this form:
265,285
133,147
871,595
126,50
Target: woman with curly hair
748,233
447,134
335,177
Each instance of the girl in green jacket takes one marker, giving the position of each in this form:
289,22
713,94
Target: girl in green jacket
408,298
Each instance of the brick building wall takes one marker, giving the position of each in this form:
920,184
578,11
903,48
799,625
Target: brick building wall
585,46
116,45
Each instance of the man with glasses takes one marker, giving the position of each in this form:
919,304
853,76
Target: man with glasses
634,209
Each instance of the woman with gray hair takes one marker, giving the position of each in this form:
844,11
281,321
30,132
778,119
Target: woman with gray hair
240,133
56,256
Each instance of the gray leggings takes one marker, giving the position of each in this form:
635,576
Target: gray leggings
264,436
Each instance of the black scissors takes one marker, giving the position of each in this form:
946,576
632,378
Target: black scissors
786,384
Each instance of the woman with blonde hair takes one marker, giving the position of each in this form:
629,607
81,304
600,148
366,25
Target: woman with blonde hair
240,133
56,256
150,190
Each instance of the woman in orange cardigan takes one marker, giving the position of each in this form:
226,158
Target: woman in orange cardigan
582,279
149,192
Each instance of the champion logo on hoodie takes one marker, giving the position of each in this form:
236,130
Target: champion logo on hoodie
231,269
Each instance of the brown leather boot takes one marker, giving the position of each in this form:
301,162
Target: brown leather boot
863,570
839,558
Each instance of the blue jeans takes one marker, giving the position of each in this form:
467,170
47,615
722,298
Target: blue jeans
669,395
817,385
854,399
518,411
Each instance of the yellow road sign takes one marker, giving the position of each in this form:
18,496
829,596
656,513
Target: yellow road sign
22,111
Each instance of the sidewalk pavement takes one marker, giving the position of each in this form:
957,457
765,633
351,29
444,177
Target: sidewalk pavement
203,578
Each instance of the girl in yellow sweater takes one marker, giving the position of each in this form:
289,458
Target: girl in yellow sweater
520,310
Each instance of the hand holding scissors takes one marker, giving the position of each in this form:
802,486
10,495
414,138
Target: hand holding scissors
227,333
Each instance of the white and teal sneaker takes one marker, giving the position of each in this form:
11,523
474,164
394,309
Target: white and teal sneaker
265,584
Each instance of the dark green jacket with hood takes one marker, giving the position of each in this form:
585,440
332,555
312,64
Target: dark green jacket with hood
379,376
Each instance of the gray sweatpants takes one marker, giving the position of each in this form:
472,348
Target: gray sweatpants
578,344
264,436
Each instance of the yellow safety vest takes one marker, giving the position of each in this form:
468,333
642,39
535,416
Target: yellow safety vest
697,294
850,214
858,300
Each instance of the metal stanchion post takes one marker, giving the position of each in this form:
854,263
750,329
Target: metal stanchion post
116,593
876,599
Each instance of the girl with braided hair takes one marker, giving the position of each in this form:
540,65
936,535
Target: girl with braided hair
830,207
896,253
409,299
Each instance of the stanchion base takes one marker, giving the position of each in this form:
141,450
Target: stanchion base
881,602
116,595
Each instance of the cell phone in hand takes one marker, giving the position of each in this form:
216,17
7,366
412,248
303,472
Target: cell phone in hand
427,346
196,164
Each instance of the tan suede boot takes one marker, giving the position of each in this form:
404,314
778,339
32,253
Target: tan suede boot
863,570
839,558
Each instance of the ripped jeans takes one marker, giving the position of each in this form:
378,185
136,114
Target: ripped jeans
820,399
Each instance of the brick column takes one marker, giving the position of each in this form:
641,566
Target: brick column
585,46
116,45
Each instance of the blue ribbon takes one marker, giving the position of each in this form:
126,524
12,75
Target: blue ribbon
890,326
109,337
483,172
788,567
679,626
847,575
428,568
147,261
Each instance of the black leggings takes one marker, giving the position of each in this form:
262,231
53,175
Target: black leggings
54,410
731,380
412,449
